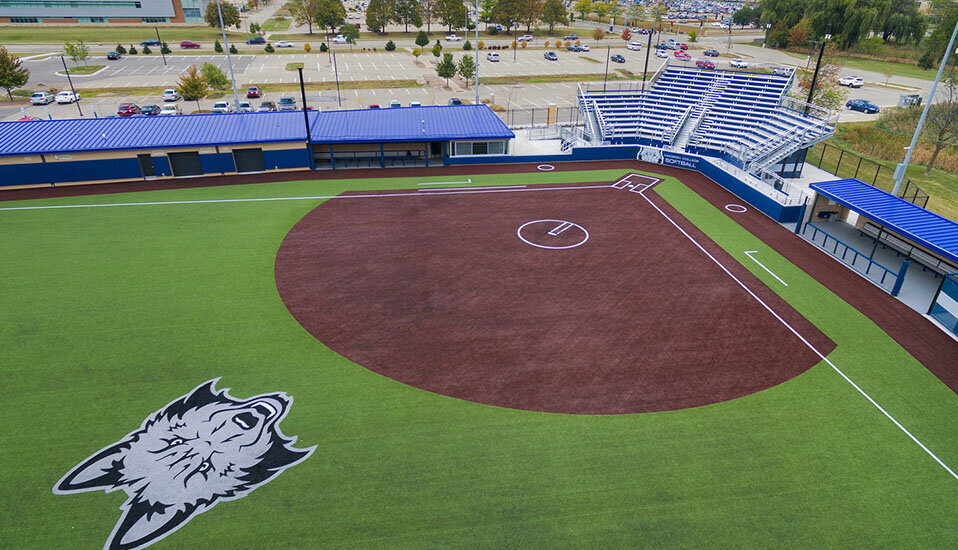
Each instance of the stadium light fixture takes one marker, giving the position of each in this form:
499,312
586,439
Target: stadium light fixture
70,80
229,60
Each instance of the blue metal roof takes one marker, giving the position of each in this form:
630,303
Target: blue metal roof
105,134
433,123
934,232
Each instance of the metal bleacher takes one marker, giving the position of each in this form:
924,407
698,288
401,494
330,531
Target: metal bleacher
744,117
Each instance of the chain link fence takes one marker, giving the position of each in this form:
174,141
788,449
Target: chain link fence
539,117
849,165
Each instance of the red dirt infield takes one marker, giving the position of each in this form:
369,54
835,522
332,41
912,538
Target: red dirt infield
437,290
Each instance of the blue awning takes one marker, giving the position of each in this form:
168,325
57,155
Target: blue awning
936,233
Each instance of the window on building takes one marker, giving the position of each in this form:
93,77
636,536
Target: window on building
461,148
154,20
24,19
68,4
192,12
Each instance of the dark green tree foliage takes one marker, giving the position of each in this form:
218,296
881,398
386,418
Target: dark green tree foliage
165,48
938,40
422,39
269,48
192,86
329,13
233,49
554,13
390,46
133,49
323,47
446,68
848,21
120,49
214,77
12,75
351,34
408,13
451,13
231,15
437,50
743,16
507,12
379,13
467,67
217,47
147,50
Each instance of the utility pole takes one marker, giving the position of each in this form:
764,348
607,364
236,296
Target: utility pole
900,170
157,29
477,52
339,98
309,142
229,60
608,52
70,80
818,65
645,73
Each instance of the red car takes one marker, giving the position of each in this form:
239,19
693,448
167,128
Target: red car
683,46
189,44
29,119
683,56
128,109
253,92
702,63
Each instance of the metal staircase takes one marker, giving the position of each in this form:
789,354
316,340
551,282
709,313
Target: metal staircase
590,114
694,116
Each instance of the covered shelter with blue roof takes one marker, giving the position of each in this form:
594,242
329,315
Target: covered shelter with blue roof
100,150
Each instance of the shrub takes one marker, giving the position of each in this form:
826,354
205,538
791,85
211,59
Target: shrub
147,50
120,49
437,50
537,32
307,48
693,36
467,45
626,35
514,44
233,49
547,43
217,47
927,61
390,46
165,48
493,31
324,48
598,34
578,42
269,48
524,44
567,43
422,39
481,45
132,49
416,52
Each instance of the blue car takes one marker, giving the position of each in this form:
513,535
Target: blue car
862,105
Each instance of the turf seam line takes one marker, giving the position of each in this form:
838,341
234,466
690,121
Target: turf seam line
800,337
313,197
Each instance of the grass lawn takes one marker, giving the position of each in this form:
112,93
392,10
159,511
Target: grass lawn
110,34
273,25
293,66
110,313
880,67
83,69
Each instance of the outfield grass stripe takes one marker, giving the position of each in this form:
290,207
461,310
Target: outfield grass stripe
800,337
510,189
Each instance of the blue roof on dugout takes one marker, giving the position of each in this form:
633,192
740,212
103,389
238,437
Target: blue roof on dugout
368,125
928,229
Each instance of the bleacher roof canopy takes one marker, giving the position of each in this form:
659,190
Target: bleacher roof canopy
936,233
434,123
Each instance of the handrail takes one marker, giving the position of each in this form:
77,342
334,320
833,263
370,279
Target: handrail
856,252
669,134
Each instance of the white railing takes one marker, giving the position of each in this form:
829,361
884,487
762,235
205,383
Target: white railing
809,109
669,134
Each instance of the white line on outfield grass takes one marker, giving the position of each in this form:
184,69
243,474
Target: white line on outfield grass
802,338
477,191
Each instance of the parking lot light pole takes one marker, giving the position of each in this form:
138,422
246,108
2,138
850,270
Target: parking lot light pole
477,52
608,52
818,65
339,98
645,73
309,142
229,60
160,40
70,80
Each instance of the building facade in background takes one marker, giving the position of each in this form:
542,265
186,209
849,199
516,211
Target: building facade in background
102,11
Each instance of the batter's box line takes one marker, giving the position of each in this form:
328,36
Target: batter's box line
635,183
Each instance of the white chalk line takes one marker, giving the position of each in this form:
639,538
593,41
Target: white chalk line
440,190
559,229
468,180
760,264
475,190
802,338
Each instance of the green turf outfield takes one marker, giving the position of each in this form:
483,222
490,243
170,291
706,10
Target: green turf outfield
106,314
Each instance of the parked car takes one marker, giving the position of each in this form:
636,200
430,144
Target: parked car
151,42
170,109
394,103
704,64
189,45
525,38
256,40
150,110
453,38
851,81
373,105
112,56
584,48
738,63
28,119
415,104
711,53
782,71
287,103
863,105
455,101
284,44
41,98
244,106
339,39
618,58
572,37
492,56
634,46
128,109
222,107
683,56
253,92
573,48
551,56
266,107
67,96
662,53
683,47
170,94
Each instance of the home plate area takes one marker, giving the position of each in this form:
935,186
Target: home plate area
565,298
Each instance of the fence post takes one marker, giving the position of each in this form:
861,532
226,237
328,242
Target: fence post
822,158
859,167
901,278
801,218
875,181
838,166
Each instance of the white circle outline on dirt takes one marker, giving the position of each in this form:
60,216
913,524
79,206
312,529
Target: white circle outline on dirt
545,167
735,208
530,243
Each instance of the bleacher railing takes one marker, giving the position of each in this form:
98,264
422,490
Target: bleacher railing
812,110
669,134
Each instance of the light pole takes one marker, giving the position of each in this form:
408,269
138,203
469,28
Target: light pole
339,98
818,65
70,80
768,27
645,72
309,142
157,29
229,60
608,52
900,170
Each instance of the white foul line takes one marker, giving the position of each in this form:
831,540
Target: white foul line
468,180
440,190
802,338
475,190
749,254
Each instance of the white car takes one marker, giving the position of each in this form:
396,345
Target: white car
170,94
41,98
492,56
738,63
284,44
851,81
245,107
339,39
634,46
525,38
453,38
222,107
662,53
170,109
584,48
67,97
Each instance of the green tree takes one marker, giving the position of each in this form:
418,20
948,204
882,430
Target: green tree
254,28
422,39
147,50
329,13
743,16
828,93
231,15
12,75
214,76
233,48
120,49
530,10
446,68
635,13
390,46
351,34
937,41
165,48
192,86
657,13
614,9
217,47
451,13
77,51
601,9
553,13
428,10
467,67
408,13
693,36
379,13
598,34
303,12
132,49
584,7
269,48
508,12
437,50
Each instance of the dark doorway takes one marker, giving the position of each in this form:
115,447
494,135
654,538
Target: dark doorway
249,160
146,165
435,149
186,164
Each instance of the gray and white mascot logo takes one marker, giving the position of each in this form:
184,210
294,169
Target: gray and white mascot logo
200,449
650,154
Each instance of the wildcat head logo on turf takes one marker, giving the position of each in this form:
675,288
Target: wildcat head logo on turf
202,448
